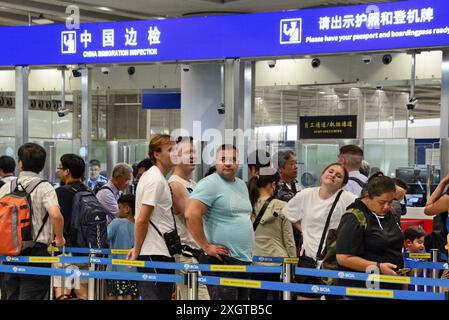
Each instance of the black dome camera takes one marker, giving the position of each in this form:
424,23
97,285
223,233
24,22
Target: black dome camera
387,58
131,70
316,63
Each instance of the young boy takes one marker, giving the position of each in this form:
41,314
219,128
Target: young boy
121,236
414,242
414,239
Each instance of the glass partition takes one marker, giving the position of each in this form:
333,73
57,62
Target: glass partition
313,156
387,155
7,146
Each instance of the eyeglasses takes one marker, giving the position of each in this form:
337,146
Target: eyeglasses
61,168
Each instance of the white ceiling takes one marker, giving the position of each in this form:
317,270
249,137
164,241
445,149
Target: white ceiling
21,12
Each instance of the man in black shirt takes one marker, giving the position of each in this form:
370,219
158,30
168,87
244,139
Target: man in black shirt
71,171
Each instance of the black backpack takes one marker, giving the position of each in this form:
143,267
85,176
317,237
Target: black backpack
99,186
88,226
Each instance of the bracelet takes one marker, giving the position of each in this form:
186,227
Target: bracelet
378,265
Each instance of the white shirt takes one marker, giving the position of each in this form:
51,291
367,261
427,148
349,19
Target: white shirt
153,190
183,231
353,186
308,208
8,179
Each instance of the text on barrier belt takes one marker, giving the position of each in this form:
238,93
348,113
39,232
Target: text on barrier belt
320,289
348,275
209,280
144,264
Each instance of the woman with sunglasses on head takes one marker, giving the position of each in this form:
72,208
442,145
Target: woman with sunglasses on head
369,237
309,212
273,233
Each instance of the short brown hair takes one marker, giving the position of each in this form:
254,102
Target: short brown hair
351,149
353,154
156,143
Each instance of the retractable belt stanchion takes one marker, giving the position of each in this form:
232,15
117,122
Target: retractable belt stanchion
51,278
286,278
192,285
91,284
101,284
63,265
415,274
424,274
435,272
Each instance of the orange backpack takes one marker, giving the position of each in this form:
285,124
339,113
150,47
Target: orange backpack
16,214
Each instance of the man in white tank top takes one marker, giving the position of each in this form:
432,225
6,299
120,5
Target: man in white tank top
181,186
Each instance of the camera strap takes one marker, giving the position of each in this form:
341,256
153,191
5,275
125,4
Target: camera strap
173,215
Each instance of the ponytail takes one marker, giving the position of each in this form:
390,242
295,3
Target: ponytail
253,190
265,177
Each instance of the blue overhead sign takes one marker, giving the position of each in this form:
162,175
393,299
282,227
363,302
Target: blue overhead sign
161,100
385,26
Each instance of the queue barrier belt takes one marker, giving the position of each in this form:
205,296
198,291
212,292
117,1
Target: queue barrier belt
211,280
427,265
424,255
347,275
143,264
321,289
279,260
133,276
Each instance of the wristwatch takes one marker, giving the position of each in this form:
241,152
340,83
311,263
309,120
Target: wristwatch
378,266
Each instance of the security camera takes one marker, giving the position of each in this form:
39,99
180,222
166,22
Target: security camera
412,103
76,73
185,67
131,70
63,112
387,58
105,70
271,63
316,63
367,59
221,109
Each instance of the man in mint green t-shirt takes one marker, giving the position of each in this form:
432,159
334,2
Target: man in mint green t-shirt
218,216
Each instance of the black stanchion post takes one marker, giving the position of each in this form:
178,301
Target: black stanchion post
286,278
192,285
434,271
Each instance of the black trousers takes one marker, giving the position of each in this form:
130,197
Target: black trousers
224,292
259,294
24,286
156,290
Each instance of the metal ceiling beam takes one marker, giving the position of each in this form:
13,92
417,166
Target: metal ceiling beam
14,19
59,10
83,5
